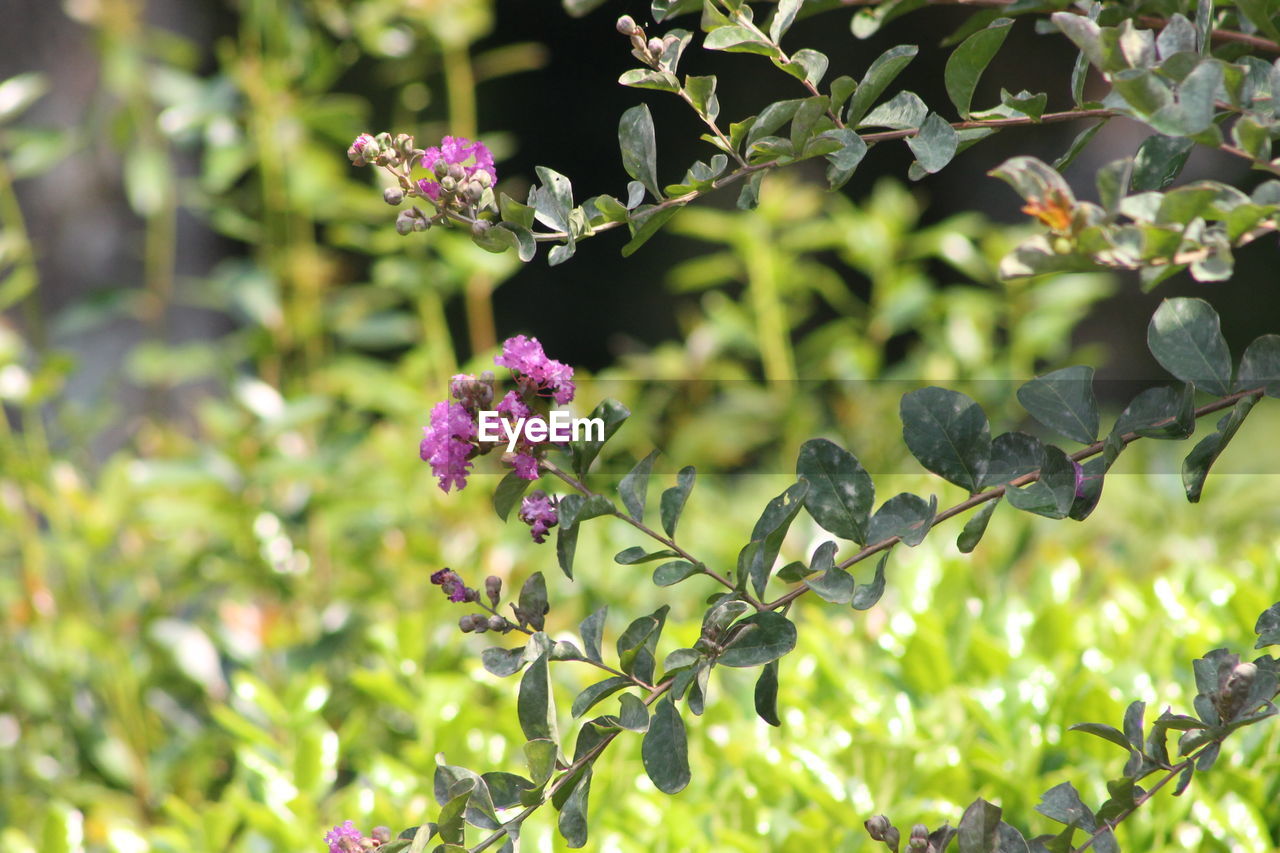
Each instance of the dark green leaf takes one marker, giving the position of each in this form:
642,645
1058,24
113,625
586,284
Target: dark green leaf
971,535
1078,144
673,499
1185,336
1108,733
633,716
1158,162
808,65
593,693
535,704
646,222
1196,466
935,144
759,638
845,159
840,492
636,645
503,662
643,78
509,493
783,16
540,757
1184,779
978,827
584,451
1063,401
1167,413
533,601
867,595
1260,13
592,631
572,821
634,487
833,584
664,750
1063,804
1053,493
766,694
1013,455
770,530
639,149
1025,102
905,111
878,77
1268,627
505,788
970,59
906,516
675,571
702,92
736,39
635,554
948,433
1260,366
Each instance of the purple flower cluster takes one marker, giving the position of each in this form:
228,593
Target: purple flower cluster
548,376
453,587
450,442
539,512
455,150
344,838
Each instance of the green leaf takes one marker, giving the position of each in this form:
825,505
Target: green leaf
1032,106
808,65
572,821
1063,804
1158,162
639,148
19,92
503,662
759,638
553,200
841,492
948,433
834,584
783,17
675,571
665,750
1196,466
1078,145
905,111
1260,366
1162,413
1013,454
1260,14
867,595
584,451
736,39
533,601
845,159
634,487
535,704
147,178
770,530
509,493
1063,401
645,222
806,117
978,827
906,516
1053,493
592,632
636,645
634,715
593,693
635,554
702,95
1107,733
1185,336
673,499
970,59
540,757
971,535
643,78
935,144
882,72
766,694
1268,627
566,543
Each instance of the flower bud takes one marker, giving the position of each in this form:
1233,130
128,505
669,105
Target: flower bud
439,168
421,224
406,223
877,827
626,25
386,157
404,145
393,195
479,228
483,179
892,837
497,623
493,589
655,47
919,837
457,172
381,834
363,150
448,185
467,622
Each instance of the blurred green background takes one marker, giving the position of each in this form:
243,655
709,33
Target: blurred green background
216,355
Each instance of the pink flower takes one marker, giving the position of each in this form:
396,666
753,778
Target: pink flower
456,150
356,152
539,512
446,444
452,586
525,356
344,838
526,465
512,407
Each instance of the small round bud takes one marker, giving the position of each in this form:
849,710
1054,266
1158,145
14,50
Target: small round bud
626,25
421,223
393,195
406,223
467,622
439,168
919,837
448,184
892,837
479,228
497,623
655,47
404,145
483,179
457,172
877,827
493,589
386,157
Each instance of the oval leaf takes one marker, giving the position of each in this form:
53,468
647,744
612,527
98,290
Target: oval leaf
948,433
664,750
1185,336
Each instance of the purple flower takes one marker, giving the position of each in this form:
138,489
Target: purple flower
525,356
356,152
446,444
456,150
512,407
344,838
526,465
539,512
452,586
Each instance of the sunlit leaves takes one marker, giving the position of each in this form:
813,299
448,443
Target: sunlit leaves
639,147
1063,401
882,72
665,749
1196,466
759,638
1185,336
840,492
935,144
970,59
948,433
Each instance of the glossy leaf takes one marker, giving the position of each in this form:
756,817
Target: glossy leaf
766,694
639,147
948,433
935,144
882,72
572,821
971,535
770,530
906,516
665,750
633,715
759,638
832,583
1163,413
1062,803
841,492
1052,494
592,632
584,451
535,704
1063,401
905,111
1158,162
868,595
634,487
1260,366
1185,336
674,498
1195,468
1268,627
593,693
968,61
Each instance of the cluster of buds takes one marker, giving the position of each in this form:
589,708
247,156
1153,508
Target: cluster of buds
453,587
921,839
383,150
650,51
345,838
458,592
